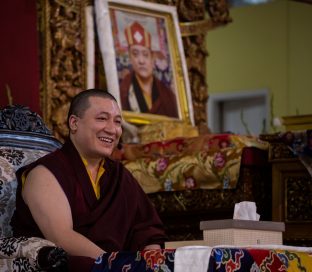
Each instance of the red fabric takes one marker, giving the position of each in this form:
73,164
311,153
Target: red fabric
254,156
269,258
19,53
122,219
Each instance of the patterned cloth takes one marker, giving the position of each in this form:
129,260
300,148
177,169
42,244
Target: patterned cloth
11,159
22,254
221,260
239,260
209,161
148,260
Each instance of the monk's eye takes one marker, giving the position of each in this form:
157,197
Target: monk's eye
118,122
102,118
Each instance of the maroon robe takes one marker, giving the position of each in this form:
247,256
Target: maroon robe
122,219
163,99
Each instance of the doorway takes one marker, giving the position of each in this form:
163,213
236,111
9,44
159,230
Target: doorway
245,112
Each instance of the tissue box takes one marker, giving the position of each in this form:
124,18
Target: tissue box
242,232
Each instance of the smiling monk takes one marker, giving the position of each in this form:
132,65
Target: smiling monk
80,199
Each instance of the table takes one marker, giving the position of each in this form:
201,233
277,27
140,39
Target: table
218,259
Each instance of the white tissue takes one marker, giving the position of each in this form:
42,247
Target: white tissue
246,210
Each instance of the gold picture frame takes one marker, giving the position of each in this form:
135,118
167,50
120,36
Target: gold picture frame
113,19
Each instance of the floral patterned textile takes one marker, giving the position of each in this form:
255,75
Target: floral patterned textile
209,161
11,159
20,254
12,247
221,260
16,254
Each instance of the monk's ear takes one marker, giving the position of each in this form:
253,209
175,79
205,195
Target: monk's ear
72,122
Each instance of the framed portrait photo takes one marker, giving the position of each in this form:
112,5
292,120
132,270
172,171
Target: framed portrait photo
143,60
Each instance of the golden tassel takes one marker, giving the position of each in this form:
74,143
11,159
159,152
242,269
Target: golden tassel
9,94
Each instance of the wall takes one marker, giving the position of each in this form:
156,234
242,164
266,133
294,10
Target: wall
19,54
266,46
300,58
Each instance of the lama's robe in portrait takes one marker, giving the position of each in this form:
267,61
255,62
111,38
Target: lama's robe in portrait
132,99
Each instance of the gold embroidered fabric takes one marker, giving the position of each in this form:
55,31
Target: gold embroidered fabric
209,161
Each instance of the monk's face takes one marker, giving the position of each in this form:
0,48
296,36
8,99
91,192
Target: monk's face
97,132
142,61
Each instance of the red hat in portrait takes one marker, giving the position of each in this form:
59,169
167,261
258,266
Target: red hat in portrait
137,35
